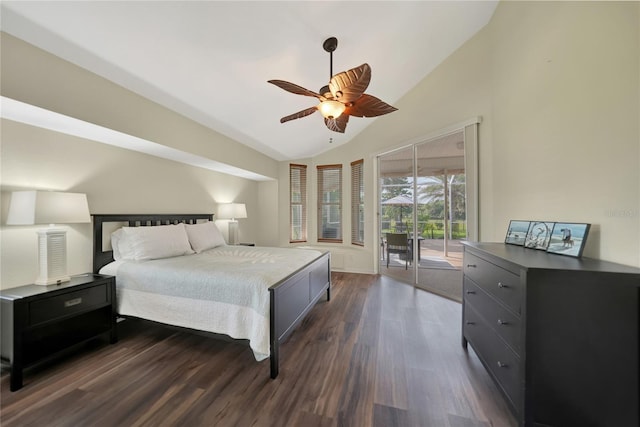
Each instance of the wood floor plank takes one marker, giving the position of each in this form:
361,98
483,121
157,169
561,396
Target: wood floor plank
356,399
380,353
458,421
391,377
384,416
426,400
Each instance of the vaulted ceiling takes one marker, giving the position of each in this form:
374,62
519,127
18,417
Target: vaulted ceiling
210,60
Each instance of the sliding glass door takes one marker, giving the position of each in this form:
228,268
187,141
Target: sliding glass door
427,194
442,203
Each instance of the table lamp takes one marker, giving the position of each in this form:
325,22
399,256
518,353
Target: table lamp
233,211
49,207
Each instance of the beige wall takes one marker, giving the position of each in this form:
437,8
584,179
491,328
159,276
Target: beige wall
115,181
557,86
565,109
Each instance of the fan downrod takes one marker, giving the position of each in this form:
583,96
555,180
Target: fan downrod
330,45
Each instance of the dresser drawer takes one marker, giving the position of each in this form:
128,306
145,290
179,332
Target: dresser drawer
66,304
502,284
501,320
502,363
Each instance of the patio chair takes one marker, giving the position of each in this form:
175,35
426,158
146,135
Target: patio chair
398,243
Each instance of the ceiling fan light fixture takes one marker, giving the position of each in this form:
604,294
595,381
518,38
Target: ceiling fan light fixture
331,109
343,97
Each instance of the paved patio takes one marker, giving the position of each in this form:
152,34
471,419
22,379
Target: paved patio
431,255
436,273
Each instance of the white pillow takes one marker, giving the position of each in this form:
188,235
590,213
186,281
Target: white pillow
204,236
152,242
121,249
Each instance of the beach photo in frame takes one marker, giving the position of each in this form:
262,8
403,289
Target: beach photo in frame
568,238
538,235
517,232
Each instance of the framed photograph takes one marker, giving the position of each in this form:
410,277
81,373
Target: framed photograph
538,235
568,238
517,232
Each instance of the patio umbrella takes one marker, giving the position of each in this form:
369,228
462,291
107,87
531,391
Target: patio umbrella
400,200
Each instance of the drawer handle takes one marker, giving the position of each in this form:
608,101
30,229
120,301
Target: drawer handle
470,323
471,292
72,302
471,266
502,365
502,322
502,285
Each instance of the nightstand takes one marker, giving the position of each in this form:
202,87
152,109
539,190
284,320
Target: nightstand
40,321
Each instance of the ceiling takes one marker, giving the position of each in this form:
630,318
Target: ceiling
210,60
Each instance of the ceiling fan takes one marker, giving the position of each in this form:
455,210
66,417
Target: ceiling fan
343,97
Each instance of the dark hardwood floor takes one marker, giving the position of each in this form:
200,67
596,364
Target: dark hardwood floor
380,353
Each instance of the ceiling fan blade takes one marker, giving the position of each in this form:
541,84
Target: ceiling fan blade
293,88
299,114
339,124
369,106
349,85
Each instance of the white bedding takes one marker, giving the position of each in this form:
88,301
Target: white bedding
222,290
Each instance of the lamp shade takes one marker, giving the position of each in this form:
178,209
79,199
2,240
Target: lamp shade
47,207
232,210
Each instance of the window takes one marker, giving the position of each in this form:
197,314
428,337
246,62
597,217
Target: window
298,203
357,203
330,203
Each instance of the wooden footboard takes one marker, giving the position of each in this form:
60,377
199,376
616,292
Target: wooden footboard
291,300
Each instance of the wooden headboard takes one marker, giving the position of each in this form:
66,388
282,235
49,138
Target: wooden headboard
103,257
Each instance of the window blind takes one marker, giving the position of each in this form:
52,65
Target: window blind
330,203
357,203
297,203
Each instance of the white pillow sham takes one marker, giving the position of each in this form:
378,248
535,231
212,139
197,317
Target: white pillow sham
121,248
151,242
204,236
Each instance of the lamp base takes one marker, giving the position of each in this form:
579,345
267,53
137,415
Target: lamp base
52,281
233,232
52,256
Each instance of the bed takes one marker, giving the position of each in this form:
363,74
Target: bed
278,295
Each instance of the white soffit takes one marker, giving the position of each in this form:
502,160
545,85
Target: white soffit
17,111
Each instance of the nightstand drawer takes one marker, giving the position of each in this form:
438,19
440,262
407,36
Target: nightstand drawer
502,284
66,304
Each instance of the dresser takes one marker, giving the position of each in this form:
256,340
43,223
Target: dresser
559,335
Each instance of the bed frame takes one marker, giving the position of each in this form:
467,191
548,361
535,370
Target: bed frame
291,298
